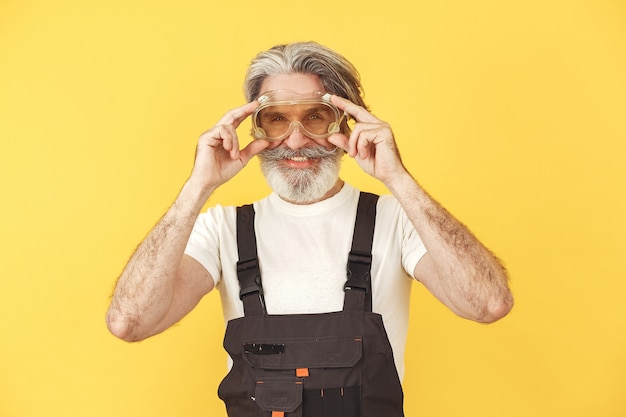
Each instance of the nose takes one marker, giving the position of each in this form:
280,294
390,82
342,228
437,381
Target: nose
296,138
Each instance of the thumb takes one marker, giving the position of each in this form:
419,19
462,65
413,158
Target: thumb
253,149
339,140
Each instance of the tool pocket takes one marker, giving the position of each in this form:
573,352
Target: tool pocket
316,377
278,396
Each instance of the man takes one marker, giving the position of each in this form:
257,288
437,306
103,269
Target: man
304,229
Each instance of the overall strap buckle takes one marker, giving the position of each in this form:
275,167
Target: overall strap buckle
358,287
248,271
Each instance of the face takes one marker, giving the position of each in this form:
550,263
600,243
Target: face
299,168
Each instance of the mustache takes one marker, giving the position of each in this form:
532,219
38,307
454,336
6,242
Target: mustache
317,151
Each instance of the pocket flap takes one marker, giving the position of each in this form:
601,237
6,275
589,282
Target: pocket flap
278,394
327,352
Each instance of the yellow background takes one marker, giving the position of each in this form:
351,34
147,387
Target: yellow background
511,113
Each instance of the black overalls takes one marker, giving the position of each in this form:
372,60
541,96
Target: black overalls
336,364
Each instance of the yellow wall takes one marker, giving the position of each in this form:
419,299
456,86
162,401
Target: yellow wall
512,113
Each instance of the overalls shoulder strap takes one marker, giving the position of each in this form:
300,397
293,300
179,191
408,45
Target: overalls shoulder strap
248,272
358,285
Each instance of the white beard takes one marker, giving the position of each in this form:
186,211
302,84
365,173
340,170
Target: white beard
306,185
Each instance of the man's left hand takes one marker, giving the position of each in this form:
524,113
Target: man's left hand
371,142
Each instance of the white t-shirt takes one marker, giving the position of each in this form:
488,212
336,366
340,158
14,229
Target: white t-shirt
303,253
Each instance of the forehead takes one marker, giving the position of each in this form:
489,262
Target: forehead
298,83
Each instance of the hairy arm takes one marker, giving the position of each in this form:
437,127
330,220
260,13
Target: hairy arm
160,284
457,269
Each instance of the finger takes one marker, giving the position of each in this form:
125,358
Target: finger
364,144
252,149
358,112
222,136
219,135
237,115
339,140
231,142
359,139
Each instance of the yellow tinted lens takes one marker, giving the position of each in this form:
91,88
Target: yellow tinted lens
315,117
317,120
273,122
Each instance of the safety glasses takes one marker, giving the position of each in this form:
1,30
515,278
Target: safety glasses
281,112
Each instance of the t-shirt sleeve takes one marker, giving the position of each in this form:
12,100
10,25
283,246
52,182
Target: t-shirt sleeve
203,244
401,231
413,248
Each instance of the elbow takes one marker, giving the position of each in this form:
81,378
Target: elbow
499,302
497,309
122,327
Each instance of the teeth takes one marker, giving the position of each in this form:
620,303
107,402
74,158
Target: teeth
299,158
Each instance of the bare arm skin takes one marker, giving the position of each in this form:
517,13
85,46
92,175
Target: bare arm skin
459,270
160,284
158,287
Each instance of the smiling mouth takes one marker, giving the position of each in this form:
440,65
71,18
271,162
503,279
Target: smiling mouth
298,158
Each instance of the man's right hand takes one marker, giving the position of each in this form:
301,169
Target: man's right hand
218,155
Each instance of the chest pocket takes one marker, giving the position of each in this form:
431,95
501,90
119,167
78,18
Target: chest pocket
310,353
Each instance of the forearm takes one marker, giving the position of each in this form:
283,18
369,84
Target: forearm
463,273
145,290
458,269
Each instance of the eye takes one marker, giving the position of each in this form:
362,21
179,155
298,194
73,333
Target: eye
317,117
274,118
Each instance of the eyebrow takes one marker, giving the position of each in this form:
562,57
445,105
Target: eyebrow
271,114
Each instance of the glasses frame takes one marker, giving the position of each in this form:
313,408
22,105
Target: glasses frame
319,97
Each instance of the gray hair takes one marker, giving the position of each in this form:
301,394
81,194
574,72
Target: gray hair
337,74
